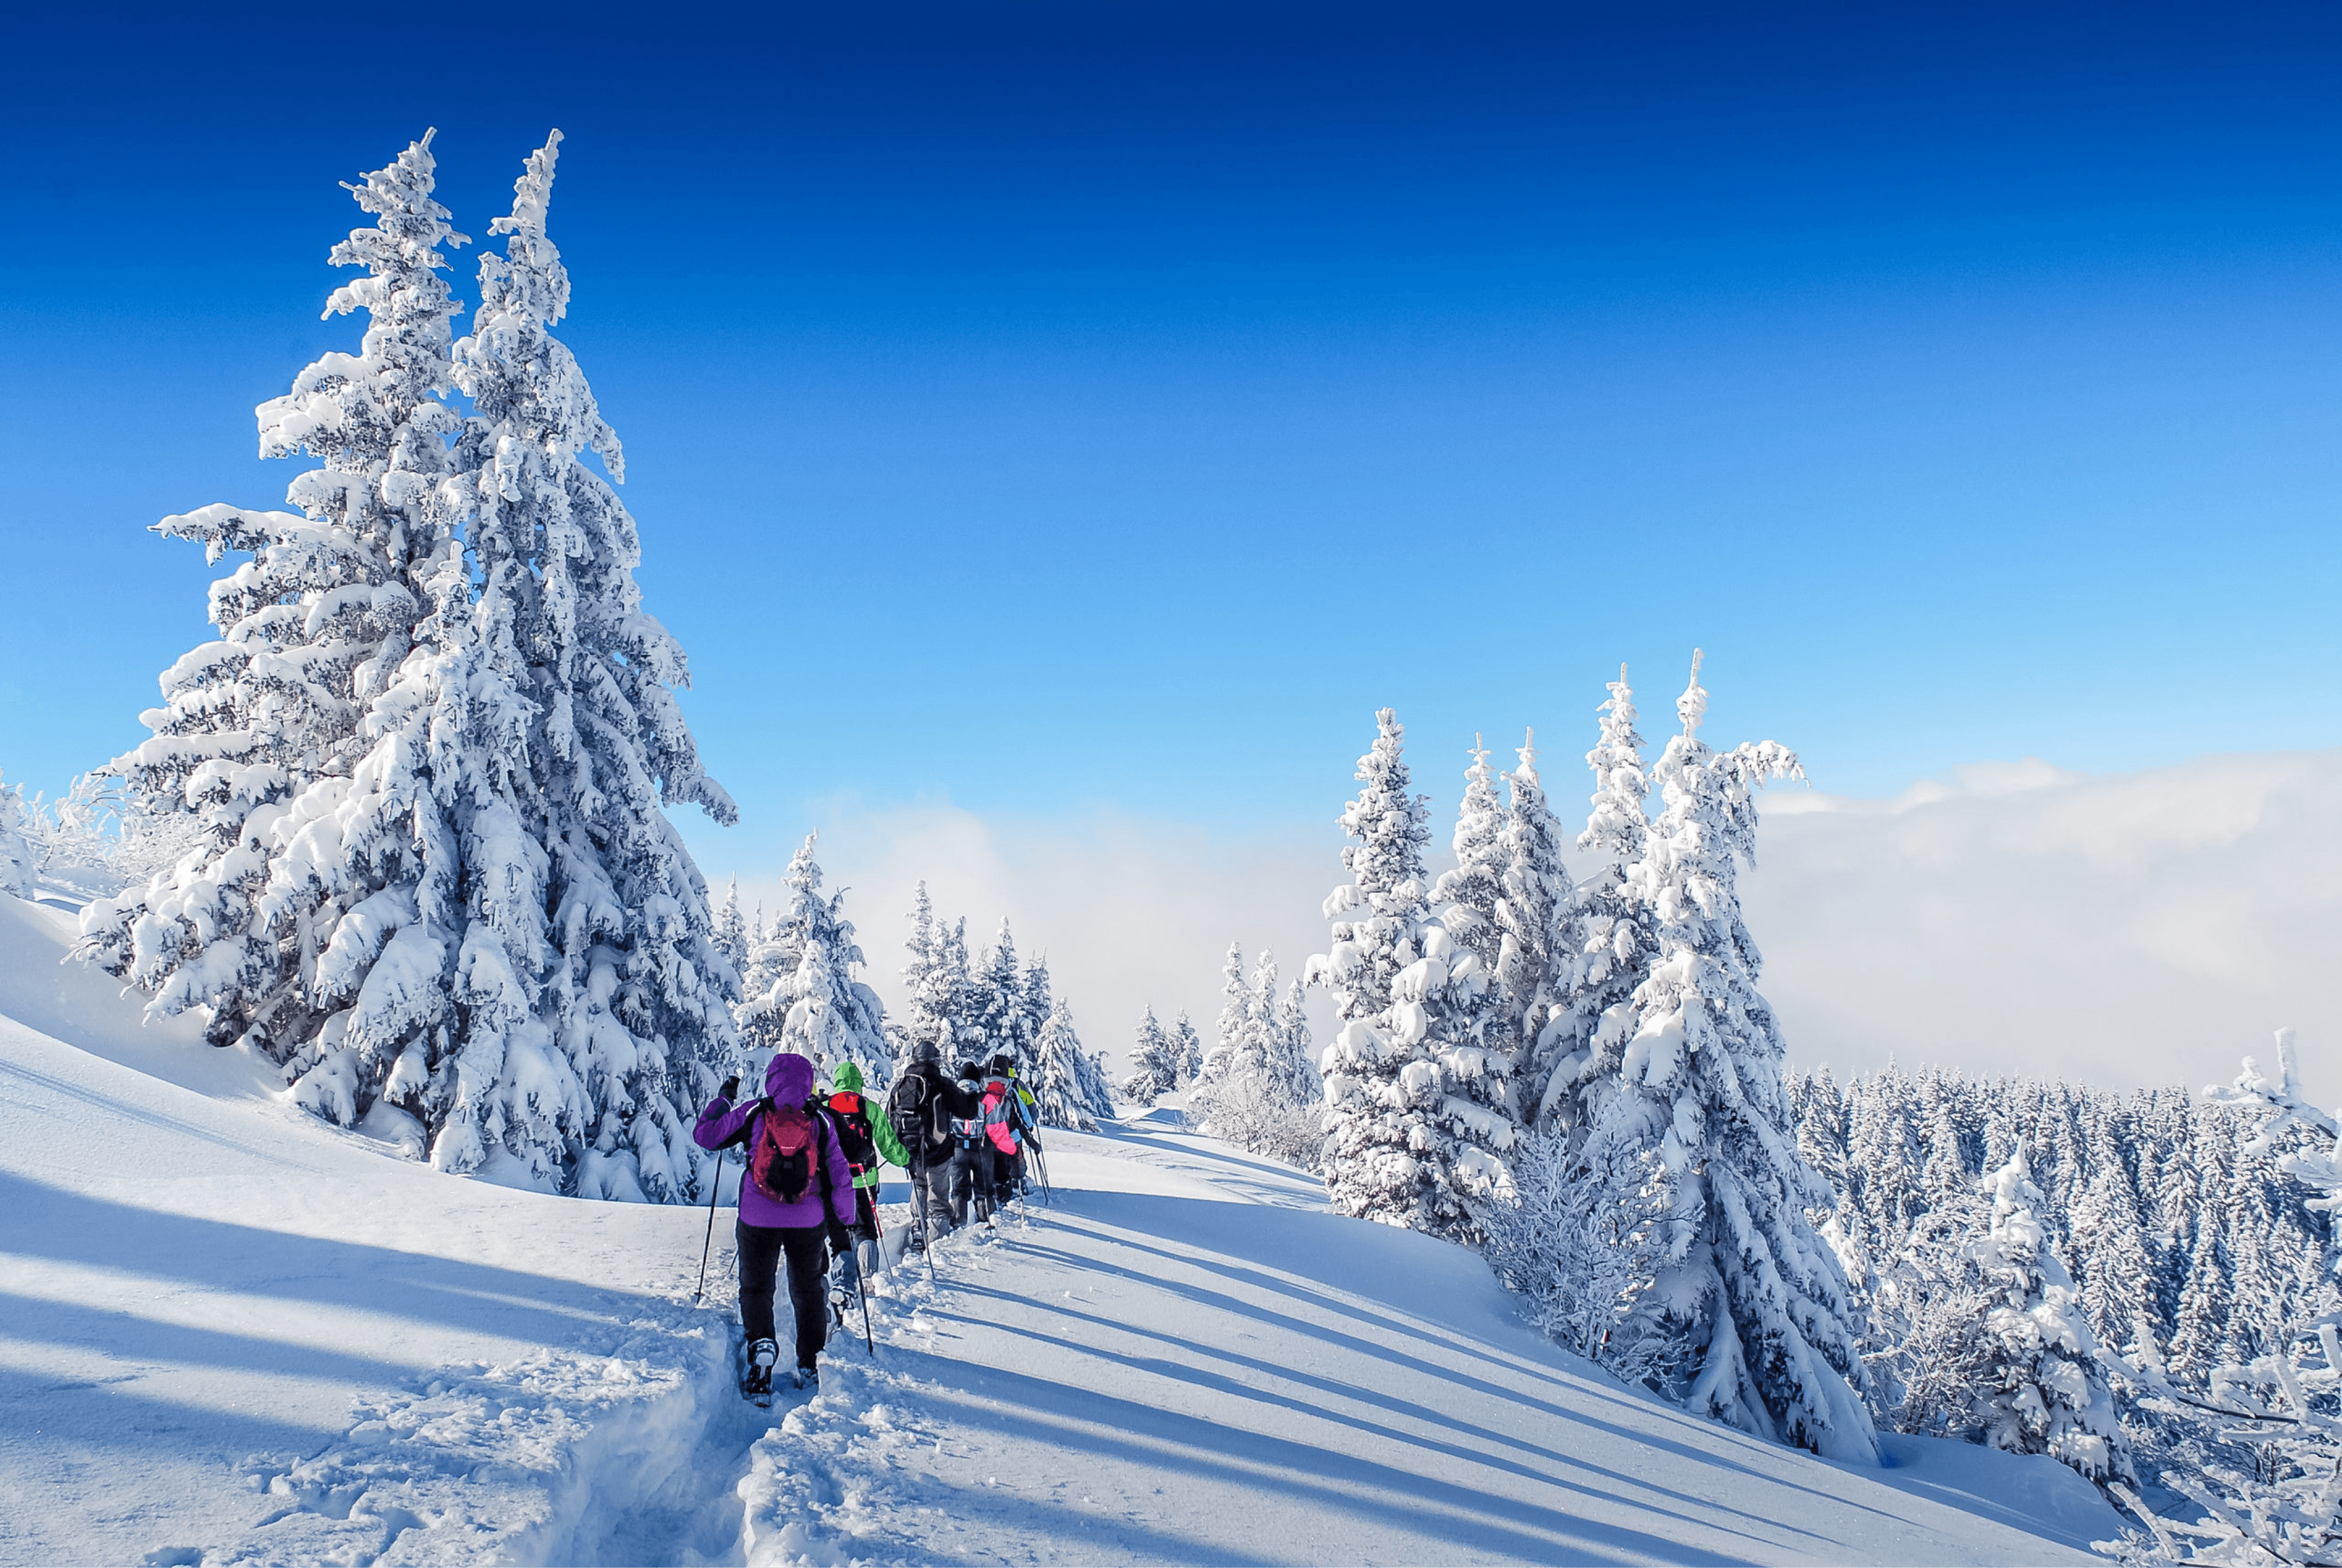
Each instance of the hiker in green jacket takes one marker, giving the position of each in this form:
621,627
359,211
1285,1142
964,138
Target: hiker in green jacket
869,1142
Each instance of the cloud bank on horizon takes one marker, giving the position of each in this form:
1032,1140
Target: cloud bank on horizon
2126,929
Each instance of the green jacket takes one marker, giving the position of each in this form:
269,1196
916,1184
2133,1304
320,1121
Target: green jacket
847,1079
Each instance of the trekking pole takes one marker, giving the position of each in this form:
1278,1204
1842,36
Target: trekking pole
868,1342
1041,1165
714,1187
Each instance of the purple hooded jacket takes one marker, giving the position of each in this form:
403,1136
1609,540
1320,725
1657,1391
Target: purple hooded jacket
788,1081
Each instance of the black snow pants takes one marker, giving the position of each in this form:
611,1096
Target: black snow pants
975,1184
761,1248
937,1175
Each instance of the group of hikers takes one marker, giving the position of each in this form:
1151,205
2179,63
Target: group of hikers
809,1195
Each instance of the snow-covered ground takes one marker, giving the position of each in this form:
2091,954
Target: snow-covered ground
233,1335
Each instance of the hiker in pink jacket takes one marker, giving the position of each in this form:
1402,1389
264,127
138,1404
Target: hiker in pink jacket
797,1199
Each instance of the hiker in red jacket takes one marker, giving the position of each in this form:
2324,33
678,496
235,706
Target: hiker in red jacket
797,1199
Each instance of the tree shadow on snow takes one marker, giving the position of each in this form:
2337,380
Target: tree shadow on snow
1414,1276
1151,1438
68,1227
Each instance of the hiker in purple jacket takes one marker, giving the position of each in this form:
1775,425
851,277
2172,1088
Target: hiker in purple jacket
797,1199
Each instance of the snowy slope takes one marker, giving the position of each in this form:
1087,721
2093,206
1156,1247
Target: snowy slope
198,1288
1188,1360
233,1335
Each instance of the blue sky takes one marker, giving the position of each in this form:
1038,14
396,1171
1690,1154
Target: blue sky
1065,407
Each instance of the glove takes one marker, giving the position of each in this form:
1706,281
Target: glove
841,1240
731,1089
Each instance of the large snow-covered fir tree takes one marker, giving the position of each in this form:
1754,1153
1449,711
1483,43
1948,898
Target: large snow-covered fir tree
452,897
1752,1302
1416,1128
316,630
587,968
2042,1389
1155,1062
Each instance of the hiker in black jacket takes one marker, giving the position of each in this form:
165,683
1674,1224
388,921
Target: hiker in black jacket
922,1105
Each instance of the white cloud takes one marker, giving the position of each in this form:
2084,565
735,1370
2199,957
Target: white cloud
2129,929
2132,929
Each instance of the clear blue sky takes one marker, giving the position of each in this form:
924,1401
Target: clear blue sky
1045,407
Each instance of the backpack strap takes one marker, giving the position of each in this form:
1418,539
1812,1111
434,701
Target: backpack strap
747,1129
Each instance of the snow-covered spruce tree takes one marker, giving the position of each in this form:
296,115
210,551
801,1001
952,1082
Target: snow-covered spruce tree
1293,1072
1470,895
926,980
999,1019
316,664
1613,928
1235,1050
1155,1062
1034,1003
19,862
1752,1304
958,982
2042,1389
768,982
819,1010
731,931
1068,1088
1538,958
558,1005
1187,1048
1415,1132
1258,1090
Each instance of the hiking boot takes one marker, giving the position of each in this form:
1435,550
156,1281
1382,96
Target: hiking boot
806,1377
757,1380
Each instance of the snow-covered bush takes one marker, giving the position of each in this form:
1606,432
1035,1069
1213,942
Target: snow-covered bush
1582,1261
20,863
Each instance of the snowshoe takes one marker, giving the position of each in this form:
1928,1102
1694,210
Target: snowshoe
756,1383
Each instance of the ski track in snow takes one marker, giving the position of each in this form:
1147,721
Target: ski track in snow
234,1335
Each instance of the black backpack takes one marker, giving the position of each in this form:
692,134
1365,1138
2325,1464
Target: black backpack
906,1105
854,1137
